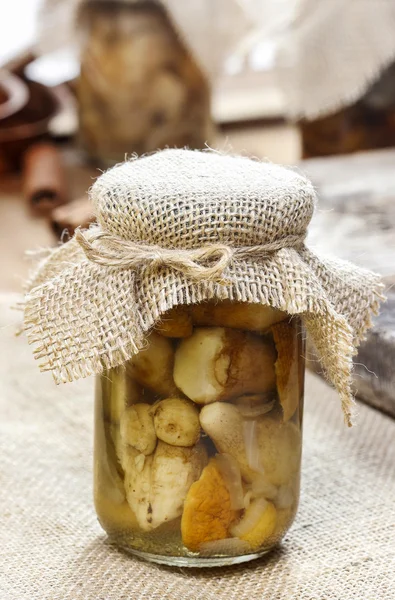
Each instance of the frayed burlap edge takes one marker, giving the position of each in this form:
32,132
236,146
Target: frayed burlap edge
72,350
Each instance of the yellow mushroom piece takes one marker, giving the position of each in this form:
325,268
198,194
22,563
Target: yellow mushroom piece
219,364
207,513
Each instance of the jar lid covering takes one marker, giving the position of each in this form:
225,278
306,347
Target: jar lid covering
184,198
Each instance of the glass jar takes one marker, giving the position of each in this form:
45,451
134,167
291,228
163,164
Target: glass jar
140,89
198,437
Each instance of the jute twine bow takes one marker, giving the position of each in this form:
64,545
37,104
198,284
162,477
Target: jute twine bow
206,263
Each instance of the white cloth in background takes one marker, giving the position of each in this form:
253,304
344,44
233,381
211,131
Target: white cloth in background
213,29
333,52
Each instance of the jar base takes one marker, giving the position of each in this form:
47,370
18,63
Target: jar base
195,561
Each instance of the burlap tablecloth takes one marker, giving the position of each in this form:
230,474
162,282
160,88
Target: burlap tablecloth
341,547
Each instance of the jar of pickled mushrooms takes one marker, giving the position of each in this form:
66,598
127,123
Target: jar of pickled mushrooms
198,436
190,300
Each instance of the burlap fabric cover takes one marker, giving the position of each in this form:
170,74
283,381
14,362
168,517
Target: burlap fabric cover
341,547
333,52
181,227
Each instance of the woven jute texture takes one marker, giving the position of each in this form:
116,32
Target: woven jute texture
180,227
333,52
341,546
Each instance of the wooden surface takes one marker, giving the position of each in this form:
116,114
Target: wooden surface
375,363
356,221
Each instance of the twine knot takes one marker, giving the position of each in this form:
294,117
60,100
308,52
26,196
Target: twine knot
206,263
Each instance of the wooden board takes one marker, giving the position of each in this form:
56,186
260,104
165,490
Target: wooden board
374,378
355,220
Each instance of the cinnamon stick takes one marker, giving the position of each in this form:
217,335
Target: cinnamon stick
44,178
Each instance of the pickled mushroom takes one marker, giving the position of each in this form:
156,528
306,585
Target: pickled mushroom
219,364
230,471
137,428
177,422
255,405
279,449
174,470
175,323
156,493
224,424
138,488
236,315
287,368
153,366
207,513
263,446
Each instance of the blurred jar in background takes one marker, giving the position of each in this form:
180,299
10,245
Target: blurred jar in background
139,89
